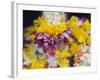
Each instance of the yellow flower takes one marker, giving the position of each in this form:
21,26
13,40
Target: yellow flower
65,53
62,54
75,47
30,57
57,53
29,30
86,25
33,37
63,62
72,22
52,29
77,31
28,53
70,40
89,41
36,63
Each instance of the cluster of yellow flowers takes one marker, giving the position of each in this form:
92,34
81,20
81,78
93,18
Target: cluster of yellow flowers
80,32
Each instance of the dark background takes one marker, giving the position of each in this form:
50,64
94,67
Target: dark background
29,16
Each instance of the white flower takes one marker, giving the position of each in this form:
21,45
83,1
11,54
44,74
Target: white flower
52,62
85,49
86,59
53,17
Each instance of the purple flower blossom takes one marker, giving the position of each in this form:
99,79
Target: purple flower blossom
81,20
49,42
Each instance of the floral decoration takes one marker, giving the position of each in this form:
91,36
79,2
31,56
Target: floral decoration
54,41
